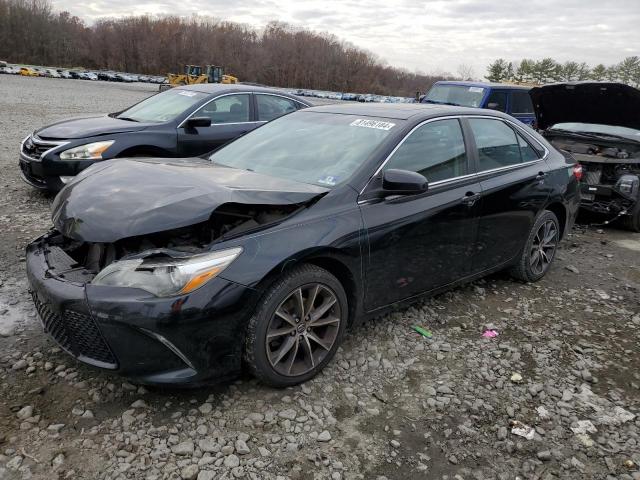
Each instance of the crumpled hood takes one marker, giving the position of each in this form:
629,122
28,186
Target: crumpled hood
124,198
88,127
605,103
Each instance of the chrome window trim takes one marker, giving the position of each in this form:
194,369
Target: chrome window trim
470,175
281,96
424,122
518,129
213,100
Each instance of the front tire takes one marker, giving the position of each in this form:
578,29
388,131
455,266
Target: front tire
539,250
632,221
297,327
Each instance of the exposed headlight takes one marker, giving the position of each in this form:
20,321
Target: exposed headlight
164,277
90,151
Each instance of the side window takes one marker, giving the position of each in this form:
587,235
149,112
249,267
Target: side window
497,100
435,150
521,102
227,109
497,144
270,107
526,150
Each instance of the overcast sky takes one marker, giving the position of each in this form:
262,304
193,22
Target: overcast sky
431,35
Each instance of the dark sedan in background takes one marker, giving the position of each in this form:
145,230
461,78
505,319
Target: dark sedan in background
268,250
181,122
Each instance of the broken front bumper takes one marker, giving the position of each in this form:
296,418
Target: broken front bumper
604,199
190,339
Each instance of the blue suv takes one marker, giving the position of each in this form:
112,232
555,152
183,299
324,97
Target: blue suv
511,99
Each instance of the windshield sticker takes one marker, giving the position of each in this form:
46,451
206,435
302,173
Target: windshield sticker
329,180
187,93
475,89
372,124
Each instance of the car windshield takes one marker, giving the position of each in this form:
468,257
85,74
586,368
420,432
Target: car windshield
462,95
318,148
598,129
163,107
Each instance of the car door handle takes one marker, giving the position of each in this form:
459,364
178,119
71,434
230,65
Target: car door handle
470,198
541,176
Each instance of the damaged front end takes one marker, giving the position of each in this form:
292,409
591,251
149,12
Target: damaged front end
610,177
131,271
226,222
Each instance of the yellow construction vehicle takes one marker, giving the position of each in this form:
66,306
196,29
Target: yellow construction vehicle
193,75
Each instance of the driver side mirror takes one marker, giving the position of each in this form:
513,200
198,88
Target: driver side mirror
194,122
403,182
492,106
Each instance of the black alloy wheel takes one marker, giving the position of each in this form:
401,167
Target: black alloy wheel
303,329
543,247
539,249
297,326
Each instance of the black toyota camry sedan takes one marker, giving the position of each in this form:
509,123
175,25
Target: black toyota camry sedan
182,122
182,271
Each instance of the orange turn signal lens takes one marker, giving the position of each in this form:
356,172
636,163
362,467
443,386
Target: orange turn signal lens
199,280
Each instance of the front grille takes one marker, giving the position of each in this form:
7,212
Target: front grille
35,148
52,323
87,338
77,334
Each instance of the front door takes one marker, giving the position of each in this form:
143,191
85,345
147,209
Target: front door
512,177
422,242
231,116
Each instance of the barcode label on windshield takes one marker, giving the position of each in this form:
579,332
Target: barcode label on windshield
372,124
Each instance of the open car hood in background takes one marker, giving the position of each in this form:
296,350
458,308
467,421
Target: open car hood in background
124,198
604,103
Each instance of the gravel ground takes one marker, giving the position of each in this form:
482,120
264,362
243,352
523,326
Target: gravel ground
563,371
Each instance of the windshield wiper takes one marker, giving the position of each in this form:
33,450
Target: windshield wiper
128,119
443,103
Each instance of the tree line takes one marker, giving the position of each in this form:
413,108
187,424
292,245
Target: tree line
548,70
280,55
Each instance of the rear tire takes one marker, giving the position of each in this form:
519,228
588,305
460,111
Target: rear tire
539,250
297,327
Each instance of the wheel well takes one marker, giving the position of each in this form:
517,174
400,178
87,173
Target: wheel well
334,267
560,212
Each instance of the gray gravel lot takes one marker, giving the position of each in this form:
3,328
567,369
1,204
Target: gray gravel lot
391,405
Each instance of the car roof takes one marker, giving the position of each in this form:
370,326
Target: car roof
484,84
403,111
220,88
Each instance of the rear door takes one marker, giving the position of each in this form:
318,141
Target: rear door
232,115
521,106
512,176
421,242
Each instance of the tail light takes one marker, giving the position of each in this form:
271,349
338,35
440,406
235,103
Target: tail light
577,171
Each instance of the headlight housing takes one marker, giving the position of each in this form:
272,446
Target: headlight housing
165,277
90,151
